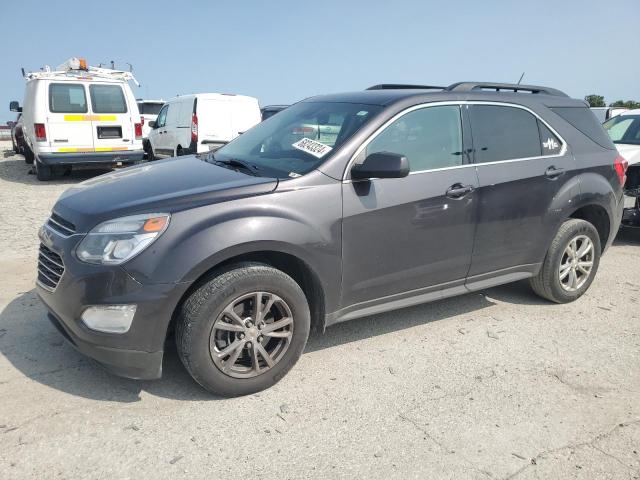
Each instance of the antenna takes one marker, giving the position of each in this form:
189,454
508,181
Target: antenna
521,77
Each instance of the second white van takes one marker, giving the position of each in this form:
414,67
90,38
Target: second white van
201,122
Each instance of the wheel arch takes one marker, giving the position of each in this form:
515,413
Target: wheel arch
301,272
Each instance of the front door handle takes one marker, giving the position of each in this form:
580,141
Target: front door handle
553,172
458,190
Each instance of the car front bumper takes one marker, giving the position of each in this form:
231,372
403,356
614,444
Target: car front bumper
135,354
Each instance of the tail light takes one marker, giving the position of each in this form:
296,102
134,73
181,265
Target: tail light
620,165
138,129
194,128
41,133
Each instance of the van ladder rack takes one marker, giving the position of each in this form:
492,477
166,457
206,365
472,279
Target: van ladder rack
498,87
96,72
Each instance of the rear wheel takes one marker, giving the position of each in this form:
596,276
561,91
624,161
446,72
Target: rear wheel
571,263
243,330
43,172
28,155
179,151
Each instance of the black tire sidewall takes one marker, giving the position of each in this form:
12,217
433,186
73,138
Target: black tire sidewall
43,172
196,343
555,257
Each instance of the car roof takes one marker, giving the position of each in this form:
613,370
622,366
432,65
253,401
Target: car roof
388,97
635,111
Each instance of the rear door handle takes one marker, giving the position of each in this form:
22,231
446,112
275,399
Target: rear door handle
553,172
458,190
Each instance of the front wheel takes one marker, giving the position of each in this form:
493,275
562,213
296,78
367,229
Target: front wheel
571,263
243,330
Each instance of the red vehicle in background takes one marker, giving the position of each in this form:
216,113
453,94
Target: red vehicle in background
17,135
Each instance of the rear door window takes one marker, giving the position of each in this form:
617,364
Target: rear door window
430,138
67,98
107,99
503,133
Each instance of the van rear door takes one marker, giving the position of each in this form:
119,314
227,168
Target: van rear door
112,122
244,115
68,121
214,122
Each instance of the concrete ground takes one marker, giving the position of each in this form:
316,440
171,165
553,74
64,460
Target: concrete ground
493,385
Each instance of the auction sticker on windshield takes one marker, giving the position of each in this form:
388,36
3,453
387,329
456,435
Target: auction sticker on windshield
316,149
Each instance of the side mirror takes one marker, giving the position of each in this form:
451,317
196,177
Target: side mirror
152,124
15,106
381,165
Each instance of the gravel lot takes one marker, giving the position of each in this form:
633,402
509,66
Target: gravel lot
493,385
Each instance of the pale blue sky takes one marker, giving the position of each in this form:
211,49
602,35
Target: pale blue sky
282,51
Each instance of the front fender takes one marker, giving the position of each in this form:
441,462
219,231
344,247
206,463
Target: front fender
305,223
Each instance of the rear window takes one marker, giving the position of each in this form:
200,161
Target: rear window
149,108
67,98
583,119
107,99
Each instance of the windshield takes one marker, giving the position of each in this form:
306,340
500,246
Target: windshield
298,139
624,129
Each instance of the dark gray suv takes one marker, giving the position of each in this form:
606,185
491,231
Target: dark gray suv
340,206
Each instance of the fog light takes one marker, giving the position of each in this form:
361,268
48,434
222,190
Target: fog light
109,318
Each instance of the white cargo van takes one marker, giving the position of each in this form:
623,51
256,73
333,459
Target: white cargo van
79,115
201,122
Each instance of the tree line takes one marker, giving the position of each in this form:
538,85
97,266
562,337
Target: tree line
598,101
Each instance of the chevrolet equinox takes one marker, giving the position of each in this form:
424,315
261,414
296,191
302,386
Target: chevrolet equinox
339,207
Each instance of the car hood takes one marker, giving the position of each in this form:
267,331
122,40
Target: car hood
631,153
164,186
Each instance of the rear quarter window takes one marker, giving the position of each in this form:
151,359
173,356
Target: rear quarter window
107,99
67,98
583,119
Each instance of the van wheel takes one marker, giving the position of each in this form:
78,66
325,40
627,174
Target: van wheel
571,263
179,152
43,172
28,155
243,330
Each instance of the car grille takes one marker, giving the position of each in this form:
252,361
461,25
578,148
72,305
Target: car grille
60,225
50,268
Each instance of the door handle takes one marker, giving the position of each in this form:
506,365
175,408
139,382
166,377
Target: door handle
458,190
553,172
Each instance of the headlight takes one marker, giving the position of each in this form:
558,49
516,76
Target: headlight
116,241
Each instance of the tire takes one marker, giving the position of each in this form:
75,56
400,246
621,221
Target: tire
28,155
179,152
202,312
43,172
548,282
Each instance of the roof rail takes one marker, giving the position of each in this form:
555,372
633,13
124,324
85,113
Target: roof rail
498,87
402,86
75,67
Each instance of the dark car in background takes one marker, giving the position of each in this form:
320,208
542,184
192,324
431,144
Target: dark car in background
413,196
17,135
271,110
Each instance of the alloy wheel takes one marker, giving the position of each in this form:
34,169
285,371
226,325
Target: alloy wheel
576,263
251,335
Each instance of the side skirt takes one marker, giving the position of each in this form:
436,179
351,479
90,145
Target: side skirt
432,293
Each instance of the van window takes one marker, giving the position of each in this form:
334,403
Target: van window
503,133
67,98
107,99
162,116
149,108
429,137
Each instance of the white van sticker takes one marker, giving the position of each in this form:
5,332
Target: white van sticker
316,149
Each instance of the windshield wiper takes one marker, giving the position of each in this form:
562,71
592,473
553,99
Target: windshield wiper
239,164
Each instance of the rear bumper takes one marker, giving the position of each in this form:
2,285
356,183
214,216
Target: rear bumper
91,157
